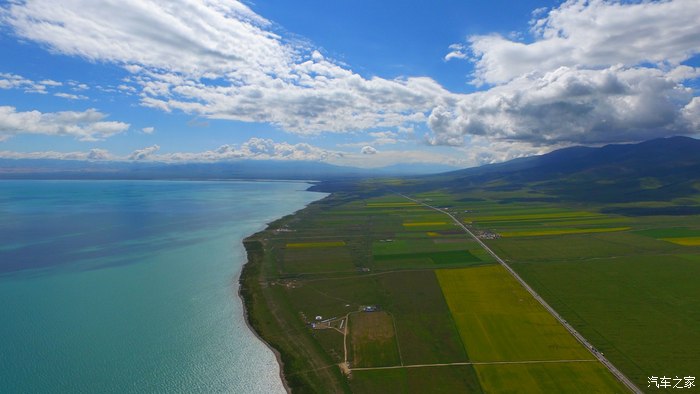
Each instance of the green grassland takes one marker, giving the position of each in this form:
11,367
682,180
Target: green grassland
312,260
373,340
449,379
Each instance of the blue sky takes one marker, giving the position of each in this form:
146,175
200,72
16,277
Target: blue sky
362,83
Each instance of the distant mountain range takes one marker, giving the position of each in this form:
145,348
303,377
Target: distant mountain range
656,170
243,169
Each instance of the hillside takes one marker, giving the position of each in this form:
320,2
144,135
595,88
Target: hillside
655,170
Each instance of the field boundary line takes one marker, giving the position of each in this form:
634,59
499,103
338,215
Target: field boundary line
478,363
616,372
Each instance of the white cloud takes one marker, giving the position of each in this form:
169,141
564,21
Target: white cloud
596,71
458,51
218,59
253,149
70,96
92,155
144,154
261,149
148,130
570,105
14,81
88,125
593,34
368,150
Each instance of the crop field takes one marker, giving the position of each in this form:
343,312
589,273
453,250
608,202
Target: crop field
580,377
685,241
638,310
451,379
373,340
442,299
561,231
626,291
327,244
498,319
680,235
577,247
300,260
423,321
423,245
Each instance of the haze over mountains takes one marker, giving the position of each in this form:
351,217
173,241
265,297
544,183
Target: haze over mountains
241,169
659,169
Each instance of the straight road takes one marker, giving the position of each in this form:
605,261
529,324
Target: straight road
616,372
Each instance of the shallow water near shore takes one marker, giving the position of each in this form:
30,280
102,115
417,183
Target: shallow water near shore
131,286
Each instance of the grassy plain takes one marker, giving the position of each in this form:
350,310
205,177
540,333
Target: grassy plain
373,340
620,280
449,379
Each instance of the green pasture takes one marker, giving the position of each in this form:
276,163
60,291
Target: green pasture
326,244
372,340
447,379
312,260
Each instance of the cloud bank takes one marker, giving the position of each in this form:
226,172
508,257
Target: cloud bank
219,59
594,71
87,125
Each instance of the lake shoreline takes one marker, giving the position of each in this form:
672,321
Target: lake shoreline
246,317
249,276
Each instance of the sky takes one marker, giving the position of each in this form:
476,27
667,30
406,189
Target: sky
359,83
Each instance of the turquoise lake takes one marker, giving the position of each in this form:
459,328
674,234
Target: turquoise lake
131,286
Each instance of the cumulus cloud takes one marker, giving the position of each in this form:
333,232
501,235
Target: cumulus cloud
148,130
597,71
571,105
253,149
593,34
14,81
91,155
88,125
368,150
70,96
219,59
144,154
594,71
257,149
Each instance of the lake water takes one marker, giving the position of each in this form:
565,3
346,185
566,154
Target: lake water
131,286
